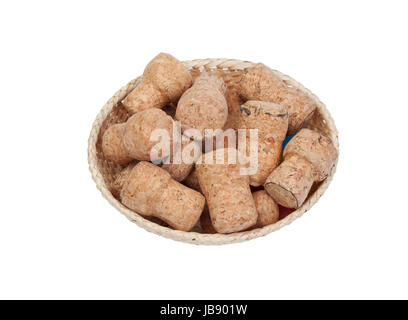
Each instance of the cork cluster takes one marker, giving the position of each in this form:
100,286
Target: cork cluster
215,196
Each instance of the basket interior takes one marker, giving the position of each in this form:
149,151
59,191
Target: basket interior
110,170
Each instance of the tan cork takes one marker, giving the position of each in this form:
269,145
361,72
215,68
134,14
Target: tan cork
260,83
203,106
113,145
164,81
271,120
205,221
228,194
180,171
268,210
309,157
139,129
121,179
151,191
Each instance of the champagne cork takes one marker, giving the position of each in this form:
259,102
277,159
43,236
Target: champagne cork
271,121
150,191
203,106
164,81
113,146
227,192
309,157
260,83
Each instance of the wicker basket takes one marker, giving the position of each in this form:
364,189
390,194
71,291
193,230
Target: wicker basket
104,172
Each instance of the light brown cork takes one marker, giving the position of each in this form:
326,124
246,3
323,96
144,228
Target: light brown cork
228,194
121,179
260,83
150,191
203,106
309,157
164,80
180,171
139,129
271,120
234,101
113,146
268,210
205,221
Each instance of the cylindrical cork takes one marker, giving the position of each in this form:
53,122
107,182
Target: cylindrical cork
138,140
139,129
271,121
203,106
164,80
260,83
227,191
113,146
121,179
308,157
268,210
162,197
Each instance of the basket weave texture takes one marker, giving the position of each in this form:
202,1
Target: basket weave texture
104,172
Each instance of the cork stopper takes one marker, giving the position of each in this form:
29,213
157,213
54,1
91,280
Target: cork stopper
203,106
139,129
162,197
113,146
121,179
309,157
316,148
164,80
271,121
227,192
260,83
267,208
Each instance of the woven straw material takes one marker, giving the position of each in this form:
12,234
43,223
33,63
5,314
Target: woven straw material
104,172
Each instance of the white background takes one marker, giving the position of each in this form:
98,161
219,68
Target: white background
61,61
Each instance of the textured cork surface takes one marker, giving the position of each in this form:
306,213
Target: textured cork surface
139,129
104,171
162,197
261,83
113,144
203,106
309,157
271,121
121,179
164,80
267,208
227,192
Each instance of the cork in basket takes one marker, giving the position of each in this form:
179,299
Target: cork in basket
104,172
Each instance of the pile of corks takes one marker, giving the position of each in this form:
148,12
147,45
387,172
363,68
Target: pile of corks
178,194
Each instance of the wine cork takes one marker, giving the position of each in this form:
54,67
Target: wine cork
164,81
162,197
113,146
309,157
271,121
203,106
227,192
260,83
267,208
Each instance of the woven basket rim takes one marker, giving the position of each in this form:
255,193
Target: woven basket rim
194,237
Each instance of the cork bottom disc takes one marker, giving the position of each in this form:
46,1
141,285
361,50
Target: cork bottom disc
281,195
